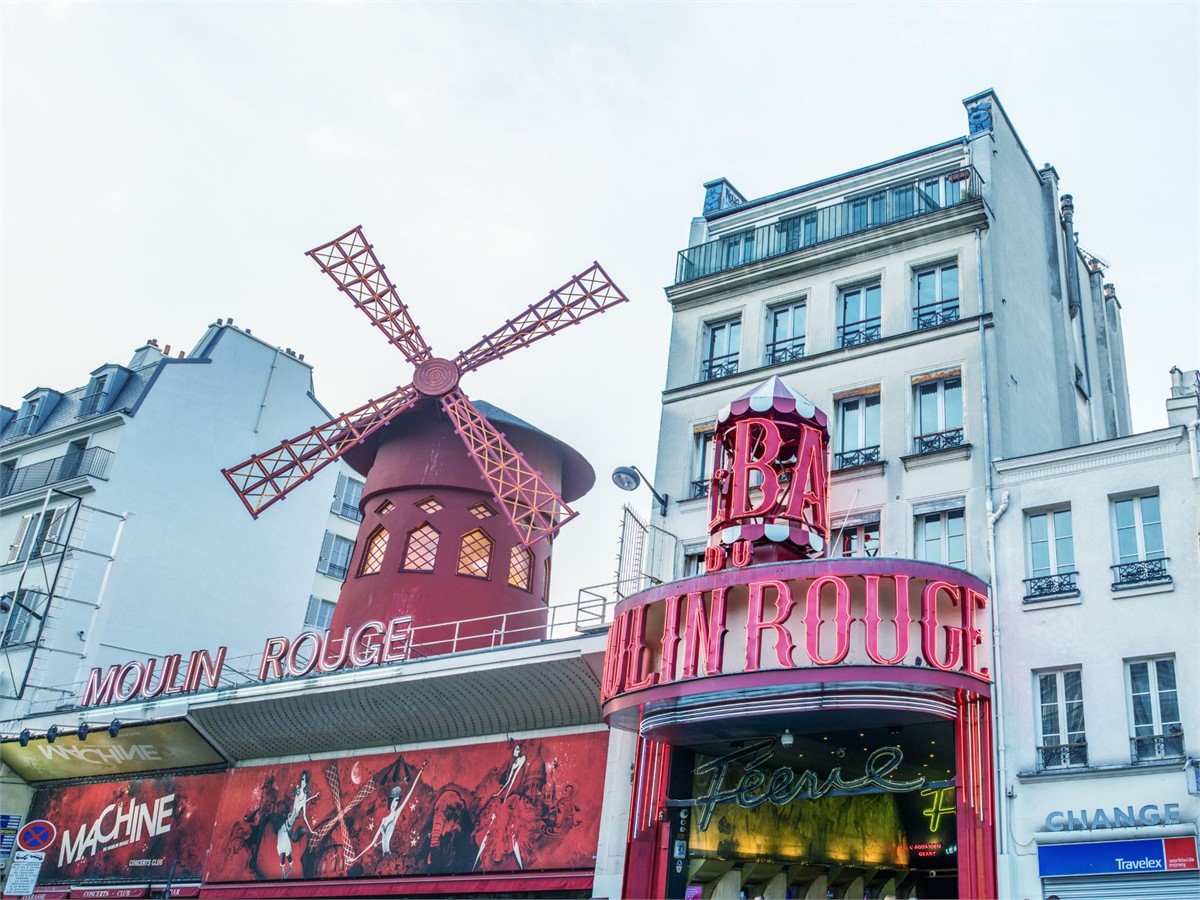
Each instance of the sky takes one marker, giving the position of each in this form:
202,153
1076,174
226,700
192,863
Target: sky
167,164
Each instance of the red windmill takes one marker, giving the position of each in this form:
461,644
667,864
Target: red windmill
534,508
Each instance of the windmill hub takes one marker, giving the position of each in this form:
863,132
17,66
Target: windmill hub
436,377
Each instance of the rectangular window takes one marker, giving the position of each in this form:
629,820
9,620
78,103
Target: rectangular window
1062,740
722,341
859,313
937,414
27,416
346,497
94,397
319,614
935,296
702,437
856,540
738,249
858,431
941,538
335,555
1157,731
693,564
786,327
37,535
1138,542
1051,555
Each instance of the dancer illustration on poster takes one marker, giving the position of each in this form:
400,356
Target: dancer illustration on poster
284,837
383,834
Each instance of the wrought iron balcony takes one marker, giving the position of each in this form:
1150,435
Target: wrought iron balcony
91,404
1139,572
699,488
885,205
1157,746
931,315
93,462
1043,586
719,367
779,352
849,459
852,334
346,511
939,440
1062,756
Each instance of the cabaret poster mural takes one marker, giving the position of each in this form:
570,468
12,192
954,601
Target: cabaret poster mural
129,830
498,807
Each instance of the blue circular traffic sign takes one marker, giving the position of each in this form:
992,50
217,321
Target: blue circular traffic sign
37,835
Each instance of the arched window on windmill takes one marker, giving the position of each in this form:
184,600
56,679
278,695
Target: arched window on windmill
475,555
421,551
520,568
372,561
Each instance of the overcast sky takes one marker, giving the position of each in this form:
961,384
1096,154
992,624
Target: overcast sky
166,164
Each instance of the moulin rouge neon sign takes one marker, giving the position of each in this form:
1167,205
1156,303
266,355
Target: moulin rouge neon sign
369,644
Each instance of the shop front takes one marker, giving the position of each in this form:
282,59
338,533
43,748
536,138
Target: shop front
808,727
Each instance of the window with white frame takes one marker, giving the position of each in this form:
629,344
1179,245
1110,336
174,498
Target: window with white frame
935,295
346,497
1062,740
858,431
941,537
336,551
1138,541
319,614
702,460
722,343
693,563
1153,697
937,412
859,315
1051,554
738,249
786,327
856,540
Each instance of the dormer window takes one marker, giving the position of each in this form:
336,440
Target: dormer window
27,418
95,397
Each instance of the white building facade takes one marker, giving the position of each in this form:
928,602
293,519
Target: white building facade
122,538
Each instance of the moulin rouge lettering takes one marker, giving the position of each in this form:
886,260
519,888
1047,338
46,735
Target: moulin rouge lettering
369,644
117,825
781,786
898,620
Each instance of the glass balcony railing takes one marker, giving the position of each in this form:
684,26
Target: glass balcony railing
885,205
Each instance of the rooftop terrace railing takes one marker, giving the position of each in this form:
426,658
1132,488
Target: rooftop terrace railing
873,209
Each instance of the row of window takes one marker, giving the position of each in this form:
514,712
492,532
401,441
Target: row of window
1137,540
420,555
859,321
1152,705
937,425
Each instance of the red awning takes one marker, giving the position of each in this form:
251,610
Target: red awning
455,885
109,892
51,892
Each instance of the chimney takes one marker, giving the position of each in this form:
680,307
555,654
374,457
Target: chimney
1183,406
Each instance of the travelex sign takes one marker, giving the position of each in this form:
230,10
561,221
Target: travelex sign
368,644
818,613
1156,855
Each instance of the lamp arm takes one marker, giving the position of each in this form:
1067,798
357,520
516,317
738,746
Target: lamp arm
661,498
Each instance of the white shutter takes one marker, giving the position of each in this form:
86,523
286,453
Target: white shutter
14,552
326,550
50,532
338,493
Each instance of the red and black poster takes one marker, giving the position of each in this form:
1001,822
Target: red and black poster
129,830
500,807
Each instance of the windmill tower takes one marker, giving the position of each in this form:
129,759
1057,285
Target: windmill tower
453,529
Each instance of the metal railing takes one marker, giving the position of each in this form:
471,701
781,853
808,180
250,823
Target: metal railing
850,459
93,462
931,315
1139,572
1061,756
1156,746
719,367
865,331
347,510
885,205
91,404
779,352
938,440
699,488
1042,586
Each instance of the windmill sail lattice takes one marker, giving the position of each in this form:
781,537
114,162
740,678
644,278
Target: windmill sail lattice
531,505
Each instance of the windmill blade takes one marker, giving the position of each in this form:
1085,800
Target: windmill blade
267,477
350,261
588,293
533,507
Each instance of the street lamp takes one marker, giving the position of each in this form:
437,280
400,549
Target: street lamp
627,478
